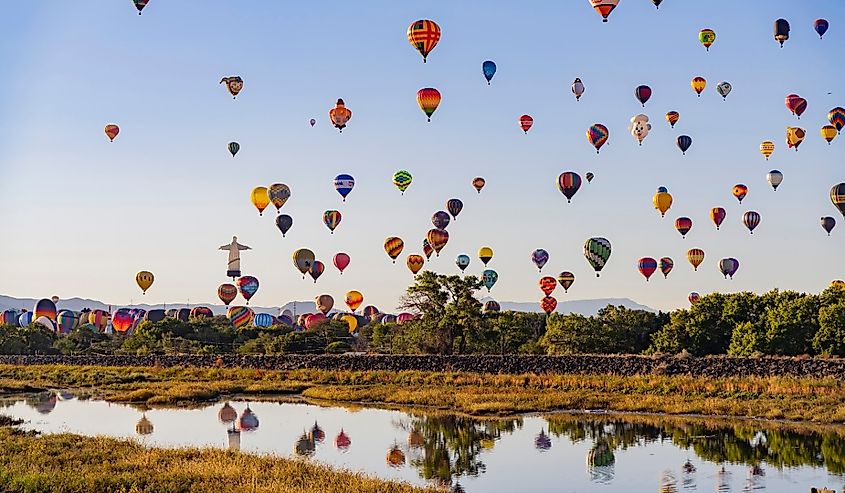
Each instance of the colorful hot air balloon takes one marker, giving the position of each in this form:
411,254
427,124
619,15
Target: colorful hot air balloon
331,219
724,88
44,308
589,176
121,321
837,196
429,99
491,306
781,31
604,7
684,142
547,285
260,199
437,238
767,148
836,117
525,123
462,261
402,180
354,300
566,279
279,194
539,257
662,201
284,223
341,261
489,278
828,223
234,84
829,133
751,219
647,266
316,270
485,254
302,260
693,298
643,94
478,183
248,286
66,321
597,253
683,225
672,117
240,316
427,249
729,266
423,36
796,104
454,206
775,178
794,137
233,147
717,215
665,265
415,263
568,183
698,84
597,134
340,115
578,89
440,219
140,4
144,280
706,37
821,26
548,304
393,246
488,68
111,131
740,191
227,293
695,256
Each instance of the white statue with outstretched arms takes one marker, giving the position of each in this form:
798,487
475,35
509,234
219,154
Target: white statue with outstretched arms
234,249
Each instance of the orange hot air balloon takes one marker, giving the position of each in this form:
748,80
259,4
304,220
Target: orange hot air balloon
415,263
340,115
525,123
672,117
695,257
424,35
478,183
437,238
393,247
698,84
740,191
548,285
429,99
604,7
354,300
260,199
111,131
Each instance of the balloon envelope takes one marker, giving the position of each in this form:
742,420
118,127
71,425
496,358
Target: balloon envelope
488,68
424,35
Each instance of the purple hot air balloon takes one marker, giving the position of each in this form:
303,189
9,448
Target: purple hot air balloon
539,257
729,266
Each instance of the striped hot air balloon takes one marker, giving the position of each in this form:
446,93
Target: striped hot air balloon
604,7
695,256
393,246
428,99
597,252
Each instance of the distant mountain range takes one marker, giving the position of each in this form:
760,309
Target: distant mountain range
583,307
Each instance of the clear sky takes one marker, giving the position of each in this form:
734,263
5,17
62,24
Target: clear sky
80,216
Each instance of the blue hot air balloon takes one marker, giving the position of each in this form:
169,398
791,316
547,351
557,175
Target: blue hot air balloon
820,25
684,142
462,261
344,185
263,320
489,69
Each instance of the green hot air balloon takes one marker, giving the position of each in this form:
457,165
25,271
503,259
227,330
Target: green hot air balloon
597,252
402,180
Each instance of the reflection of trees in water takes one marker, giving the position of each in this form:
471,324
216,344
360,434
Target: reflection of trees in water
668,483
600,461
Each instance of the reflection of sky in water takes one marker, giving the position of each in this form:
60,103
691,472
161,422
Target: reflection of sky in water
516,459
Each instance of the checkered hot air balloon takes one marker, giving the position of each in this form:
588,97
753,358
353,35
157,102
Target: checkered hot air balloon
597,252
424,35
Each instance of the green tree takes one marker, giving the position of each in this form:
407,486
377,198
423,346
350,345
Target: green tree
792,323
830,338
747,339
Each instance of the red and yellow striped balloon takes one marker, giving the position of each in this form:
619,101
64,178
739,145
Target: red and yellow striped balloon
393,246
429,99
415,263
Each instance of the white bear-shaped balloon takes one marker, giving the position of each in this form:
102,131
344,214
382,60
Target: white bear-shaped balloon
639,127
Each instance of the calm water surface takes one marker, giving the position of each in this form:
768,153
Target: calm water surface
557,453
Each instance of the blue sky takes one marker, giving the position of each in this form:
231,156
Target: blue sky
81,215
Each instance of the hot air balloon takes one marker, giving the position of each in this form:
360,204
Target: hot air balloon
836,117
302,260
312,121
140,4
44,308
775,178
525,123
240,316
643,94
837,283
729,266
111,131
794,137
589,176
698,84
201,312
781,30
837,196
751,219
324,303
597,253
717,215
485,254
489,278
121,321
597,135
341,261
316,270
488,68
657,3
604,7
706,37
647,266
566,279
344,185
683,225
340,115
402,180
312,321
454,206
393,246
547,285
767,148
578,89
491,306
284,223
144,280
423,36
568,183
539,257
66,321
821,26
263,320
260,199
796,104
684,142
662,201
740,191
829,133
665,265
548,304
427,249
440,219
462,261
478,183
248,286
695,256
331,219
437,239
693,298
234,147
279,193
672,117
227,293
724,88
101,319
234,84
415,263
429,99
354,300
828,223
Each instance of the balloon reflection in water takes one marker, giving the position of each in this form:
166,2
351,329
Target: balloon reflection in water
144,426
542,442
600,462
